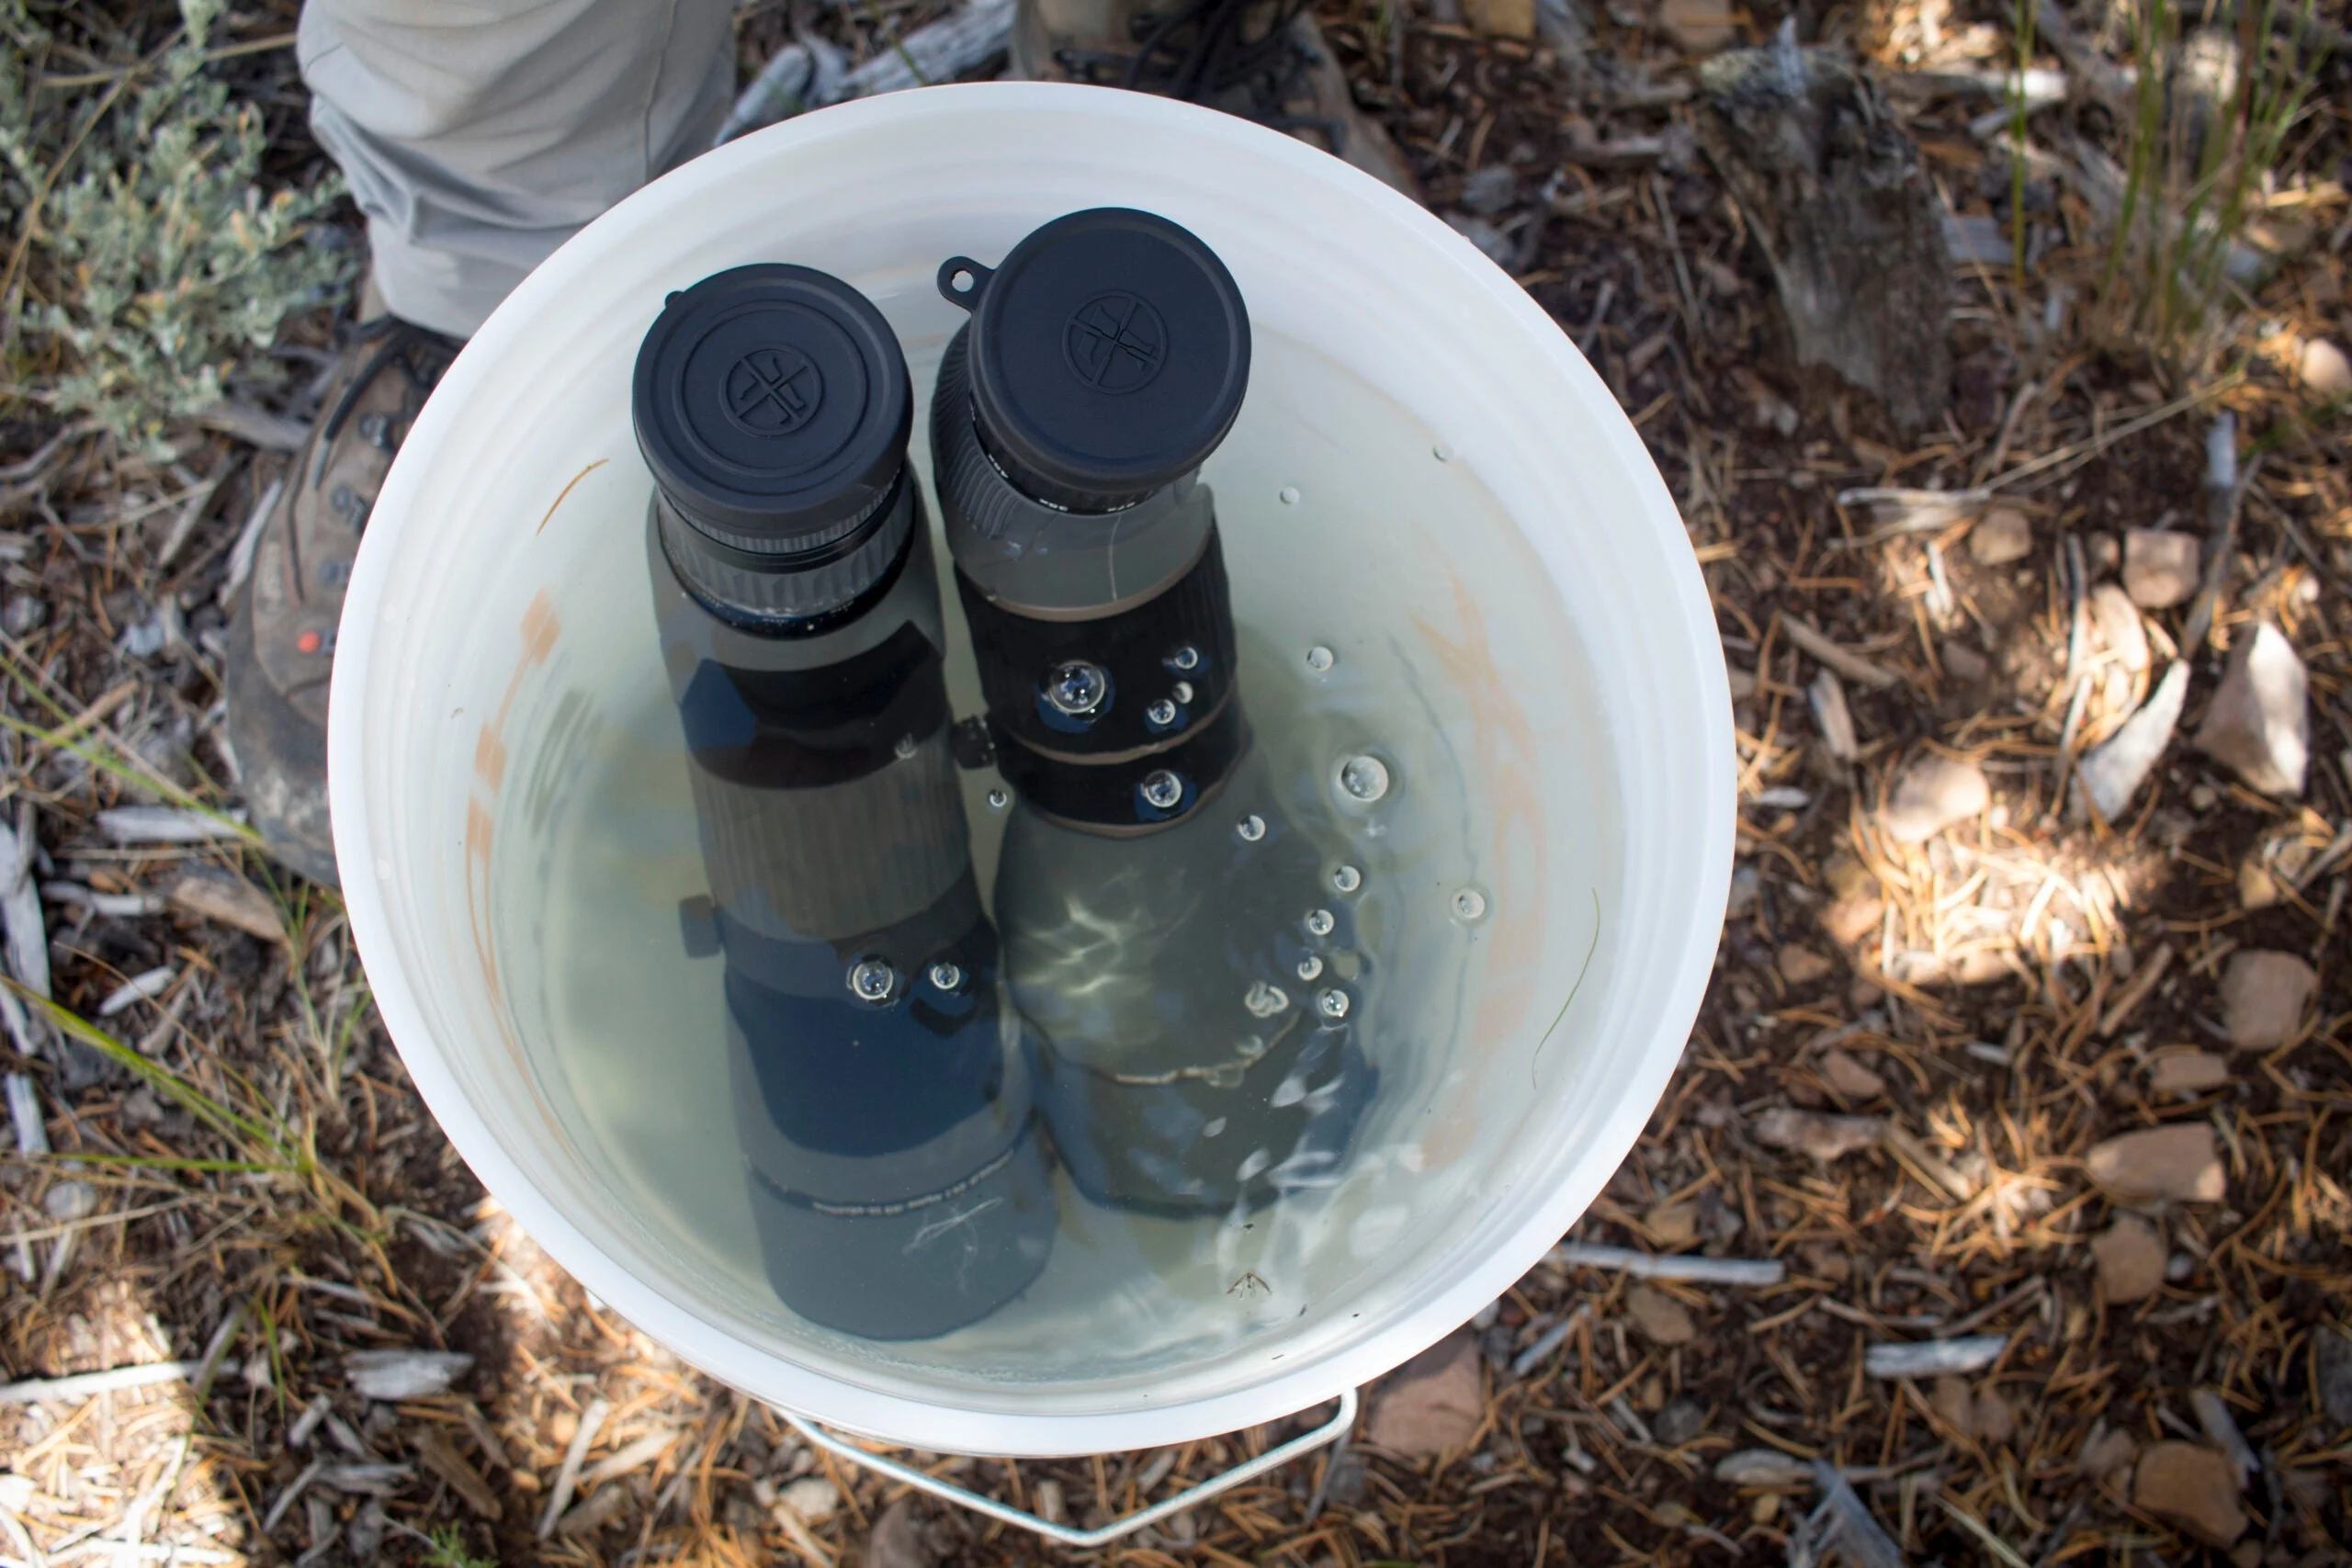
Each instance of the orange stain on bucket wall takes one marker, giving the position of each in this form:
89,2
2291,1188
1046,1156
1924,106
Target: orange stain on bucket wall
1514,931
539,630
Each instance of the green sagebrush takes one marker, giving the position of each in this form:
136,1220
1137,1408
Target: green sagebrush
144,246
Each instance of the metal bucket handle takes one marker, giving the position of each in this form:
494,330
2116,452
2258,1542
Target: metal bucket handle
1340,1423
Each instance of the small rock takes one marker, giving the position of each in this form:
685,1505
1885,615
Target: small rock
1849,1078
2193,1486
1672,1224
1964,663
813,1497
1801,966
2263,998
22,613
1954,1404
1848,877
2113,772
1682,1419
1768,408
2118,625
1933,794
1824,1261
1981,1413
1434,1403
2002,534
2105,551
144,1110
69,1201
2179,1162
2259,722
1698,26
2106,1454
2257,888
1490,190
899,1540
1501,18
147,639
1661,1318
1849,920
2131,1259
1822,1137
1995,1422
2188,1072
2333,1352
2159,567
2325,372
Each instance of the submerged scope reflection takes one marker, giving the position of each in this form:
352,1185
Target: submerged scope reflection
1165,955
883,1096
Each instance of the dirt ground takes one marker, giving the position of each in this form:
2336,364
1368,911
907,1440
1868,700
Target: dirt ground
1904,1086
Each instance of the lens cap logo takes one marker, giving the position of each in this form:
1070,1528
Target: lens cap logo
1115,342
773,391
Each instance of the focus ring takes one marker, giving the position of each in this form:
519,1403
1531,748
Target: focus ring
758,595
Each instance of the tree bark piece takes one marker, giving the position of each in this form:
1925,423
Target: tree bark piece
1833,193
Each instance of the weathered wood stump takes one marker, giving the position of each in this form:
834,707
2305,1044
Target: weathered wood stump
1833,194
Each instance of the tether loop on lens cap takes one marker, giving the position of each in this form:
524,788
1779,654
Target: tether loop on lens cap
773,405
976,280
1109,354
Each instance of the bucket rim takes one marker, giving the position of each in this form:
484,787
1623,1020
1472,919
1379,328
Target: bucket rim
1688,634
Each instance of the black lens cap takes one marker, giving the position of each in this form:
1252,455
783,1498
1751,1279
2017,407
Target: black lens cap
773,405
1109,354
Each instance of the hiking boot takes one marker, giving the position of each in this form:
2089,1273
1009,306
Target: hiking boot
281,640
1262,59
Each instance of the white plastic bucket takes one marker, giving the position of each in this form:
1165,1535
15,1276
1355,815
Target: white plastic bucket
521,483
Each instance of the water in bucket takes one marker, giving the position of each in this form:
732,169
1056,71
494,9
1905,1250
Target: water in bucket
1181,931
1399,655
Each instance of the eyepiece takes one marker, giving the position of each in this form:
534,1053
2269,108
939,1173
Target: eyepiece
772,406
1109,356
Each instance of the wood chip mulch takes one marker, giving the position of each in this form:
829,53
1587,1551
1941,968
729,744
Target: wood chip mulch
1904,1088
